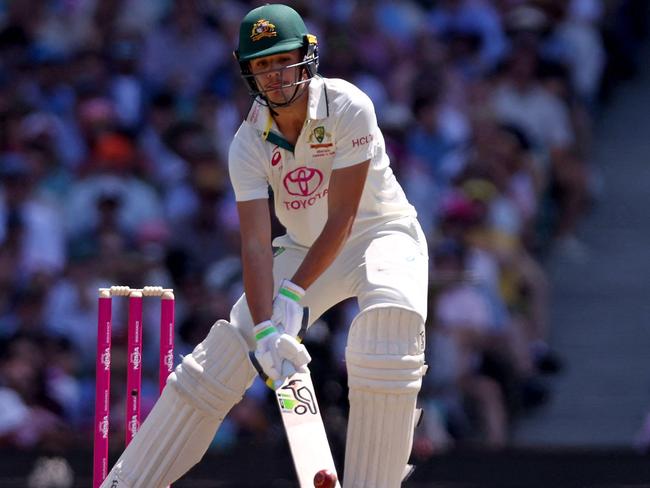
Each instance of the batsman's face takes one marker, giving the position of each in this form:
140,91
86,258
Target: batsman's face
276,75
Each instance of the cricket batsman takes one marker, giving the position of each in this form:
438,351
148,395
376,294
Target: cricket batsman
350,232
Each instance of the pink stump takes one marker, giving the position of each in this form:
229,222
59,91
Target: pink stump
134,367
102,389
166,352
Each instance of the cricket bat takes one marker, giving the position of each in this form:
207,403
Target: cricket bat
303,424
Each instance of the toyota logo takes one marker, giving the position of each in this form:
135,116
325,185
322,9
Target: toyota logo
303,181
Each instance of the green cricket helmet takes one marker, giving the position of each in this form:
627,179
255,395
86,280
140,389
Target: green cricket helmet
274,29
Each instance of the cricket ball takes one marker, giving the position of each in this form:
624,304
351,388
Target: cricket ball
325,479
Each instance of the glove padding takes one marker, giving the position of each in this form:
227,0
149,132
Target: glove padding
287,310
279,354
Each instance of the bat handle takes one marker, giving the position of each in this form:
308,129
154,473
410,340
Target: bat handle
258,367
304,325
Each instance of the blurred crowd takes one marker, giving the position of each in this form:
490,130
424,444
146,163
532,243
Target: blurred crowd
115,122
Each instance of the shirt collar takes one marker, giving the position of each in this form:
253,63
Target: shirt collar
258,116
317,105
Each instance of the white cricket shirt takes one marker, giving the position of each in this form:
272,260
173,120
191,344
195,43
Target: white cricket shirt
340,131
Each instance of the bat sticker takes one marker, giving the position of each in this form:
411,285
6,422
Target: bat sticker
297,398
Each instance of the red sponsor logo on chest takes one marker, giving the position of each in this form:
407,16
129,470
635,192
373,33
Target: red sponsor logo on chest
276,158
303,181
303,203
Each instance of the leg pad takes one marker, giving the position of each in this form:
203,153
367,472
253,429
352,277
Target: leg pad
385,360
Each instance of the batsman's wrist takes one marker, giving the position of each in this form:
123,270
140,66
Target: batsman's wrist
264,329
290,290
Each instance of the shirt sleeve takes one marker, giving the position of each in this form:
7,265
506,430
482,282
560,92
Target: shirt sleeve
357,133
245,165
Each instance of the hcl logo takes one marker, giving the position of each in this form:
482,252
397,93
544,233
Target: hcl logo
362,141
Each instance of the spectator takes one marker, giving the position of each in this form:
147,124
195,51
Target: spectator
184,51
27,220
521,100
112,193
29,416
469,322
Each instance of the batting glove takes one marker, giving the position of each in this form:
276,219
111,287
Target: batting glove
287,310
279,354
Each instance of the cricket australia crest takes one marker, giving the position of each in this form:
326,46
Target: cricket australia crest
320,142
261,29
318,135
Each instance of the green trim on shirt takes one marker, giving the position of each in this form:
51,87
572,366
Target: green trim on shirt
278,140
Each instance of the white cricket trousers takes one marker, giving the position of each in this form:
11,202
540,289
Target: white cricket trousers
387,267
